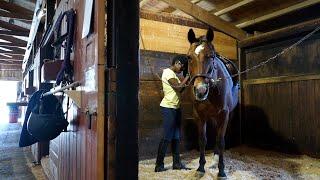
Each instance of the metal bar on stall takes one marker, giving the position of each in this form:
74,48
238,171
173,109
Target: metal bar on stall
75,84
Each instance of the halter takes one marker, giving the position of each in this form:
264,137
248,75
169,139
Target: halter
210,68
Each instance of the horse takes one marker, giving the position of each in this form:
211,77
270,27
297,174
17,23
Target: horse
213,91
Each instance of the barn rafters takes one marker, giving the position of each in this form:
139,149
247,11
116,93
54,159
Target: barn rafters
15,24
248,15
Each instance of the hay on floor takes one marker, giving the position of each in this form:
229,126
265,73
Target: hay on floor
240,163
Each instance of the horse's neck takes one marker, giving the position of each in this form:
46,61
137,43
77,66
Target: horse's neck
222,70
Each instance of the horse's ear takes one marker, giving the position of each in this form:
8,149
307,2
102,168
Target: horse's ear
191,36
210,35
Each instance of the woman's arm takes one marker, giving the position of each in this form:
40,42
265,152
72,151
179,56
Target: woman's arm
178,86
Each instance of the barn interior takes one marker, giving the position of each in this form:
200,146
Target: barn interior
119,50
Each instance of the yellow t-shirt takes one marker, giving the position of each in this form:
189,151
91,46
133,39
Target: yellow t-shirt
171,98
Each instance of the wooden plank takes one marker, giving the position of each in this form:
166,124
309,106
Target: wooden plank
11,52
16,49
280,33
12,27
281,79
14,33
18,57
12,39
210,19
172,19
10,62
15,16
155,36
101,164
33,33
16,44
14,8
233,7
278,13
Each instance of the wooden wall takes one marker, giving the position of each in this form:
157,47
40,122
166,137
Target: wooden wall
79,153
281,100
161,39
10,75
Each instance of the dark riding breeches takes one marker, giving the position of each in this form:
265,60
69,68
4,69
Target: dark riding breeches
171,123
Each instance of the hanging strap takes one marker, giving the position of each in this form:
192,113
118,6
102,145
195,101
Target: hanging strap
66,72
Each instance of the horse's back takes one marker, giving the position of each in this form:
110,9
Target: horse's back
231,68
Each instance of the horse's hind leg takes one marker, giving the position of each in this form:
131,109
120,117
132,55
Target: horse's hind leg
221,130
202,144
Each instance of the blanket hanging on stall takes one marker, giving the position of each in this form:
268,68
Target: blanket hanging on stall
44,119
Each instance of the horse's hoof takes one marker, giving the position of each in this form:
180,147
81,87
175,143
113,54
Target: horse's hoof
201,169
222,175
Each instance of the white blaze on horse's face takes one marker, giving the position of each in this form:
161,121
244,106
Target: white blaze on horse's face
201,89
199,49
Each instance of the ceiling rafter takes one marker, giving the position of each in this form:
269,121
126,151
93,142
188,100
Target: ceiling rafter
232,7
16,49
12,39
210,19
278,13
15,16
10,62
11,56
14,33
11,52
14,8
16,44
9,26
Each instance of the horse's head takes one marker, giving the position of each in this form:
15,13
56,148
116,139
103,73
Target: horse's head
201,65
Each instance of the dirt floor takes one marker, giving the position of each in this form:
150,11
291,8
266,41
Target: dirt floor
241,163
15,162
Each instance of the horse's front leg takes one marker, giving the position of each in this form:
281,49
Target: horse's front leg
224,117
202,144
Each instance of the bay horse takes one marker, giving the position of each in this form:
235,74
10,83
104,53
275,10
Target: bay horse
213,91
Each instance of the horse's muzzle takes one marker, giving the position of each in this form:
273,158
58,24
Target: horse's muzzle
201,92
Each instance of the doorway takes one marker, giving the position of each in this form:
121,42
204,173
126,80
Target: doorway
8,93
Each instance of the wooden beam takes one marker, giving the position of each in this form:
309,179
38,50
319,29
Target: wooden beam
16,44
278,13
12,39
14,8
11,52
12,27
280,33
14,33
10,67
16,49
233,7
33,33
15,16
11,56
210,19
10,62
281,79
172,19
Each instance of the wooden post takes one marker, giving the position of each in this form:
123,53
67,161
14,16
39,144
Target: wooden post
122,89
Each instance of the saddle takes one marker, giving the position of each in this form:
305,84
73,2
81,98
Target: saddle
231,67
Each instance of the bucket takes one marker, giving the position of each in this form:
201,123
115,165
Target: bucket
13,113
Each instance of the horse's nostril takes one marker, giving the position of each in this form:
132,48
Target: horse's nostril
202,90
